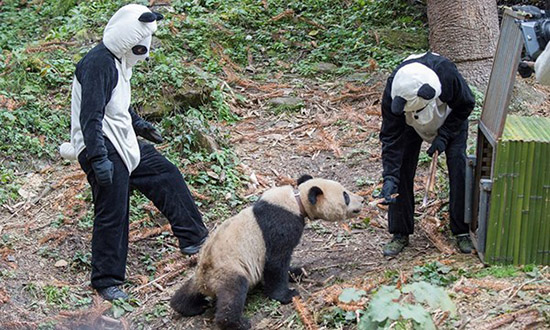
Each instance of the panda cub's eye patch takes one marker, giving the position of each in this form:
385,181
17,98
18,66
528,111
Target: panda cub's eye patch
346,198
139,50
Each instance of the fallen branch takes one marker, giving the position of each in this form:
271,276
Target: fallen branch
431,230
286,13
304,313
508,318
4,297
154,281
137,235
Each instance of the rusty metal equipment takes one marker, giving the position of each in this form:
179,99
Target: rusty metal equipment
508,181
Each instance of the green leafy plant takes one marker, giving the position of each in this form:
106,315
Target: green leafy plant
497,271
410,306
82,261
160,310
434,273
56,296
349,295
336,318
121,307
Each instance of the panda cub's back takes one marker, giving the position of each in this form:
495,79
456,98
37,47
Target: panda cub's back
235,248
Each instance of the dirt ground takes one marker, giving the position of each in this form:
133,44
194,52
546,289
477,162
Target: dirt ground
45,266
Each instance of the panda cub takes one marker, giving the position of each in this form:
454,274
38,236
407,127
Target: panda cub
257,245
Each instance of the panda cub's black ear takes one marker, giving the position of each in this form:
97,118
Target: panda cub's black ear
313,194
304,178
150,17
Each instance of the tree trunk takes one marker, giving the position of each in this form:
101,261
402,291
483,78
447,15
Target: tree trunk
465,31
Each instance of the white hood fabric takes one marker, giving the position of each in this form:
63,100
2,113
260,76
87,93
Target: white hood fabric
409,79
124,29
425,116
542,66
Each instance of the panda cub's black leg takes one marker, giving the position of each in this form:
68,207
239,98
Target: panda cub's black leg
230,304
276,280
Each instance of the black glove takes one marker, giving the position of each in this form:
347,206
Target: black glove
388,192
439,144
525,70
147,131
103,169
532,11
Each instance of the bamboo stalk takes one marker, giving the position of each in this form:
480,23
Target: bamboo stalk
519,200
430,180
508,232
493,241
534,204
526,240
506,166
545,242
538,234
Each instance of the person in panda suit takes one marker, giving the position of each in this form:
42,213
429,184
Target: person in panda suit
425,99
103,139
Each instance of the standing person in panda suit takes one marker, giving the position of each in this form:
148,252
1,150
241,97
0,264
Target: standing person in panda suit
425,99
103,139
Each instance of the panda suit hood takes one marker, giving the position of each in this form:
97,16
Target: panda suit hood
125,30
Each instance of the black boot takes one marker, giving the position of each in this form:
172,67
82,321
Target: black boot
396,245
192,249
112,293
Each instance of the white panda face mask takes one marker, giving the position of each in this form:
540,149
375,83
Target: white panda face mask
139,52
414,87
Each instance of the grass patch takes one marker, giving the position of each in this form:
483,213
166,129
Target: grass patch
497,271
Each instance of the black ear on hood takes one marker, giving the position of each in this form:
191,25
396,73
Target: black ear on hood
398,105
150,17
426,92
159,16
313,193
304,178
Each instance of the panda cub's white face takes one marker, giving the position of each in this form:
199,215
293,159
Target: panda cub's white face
329,200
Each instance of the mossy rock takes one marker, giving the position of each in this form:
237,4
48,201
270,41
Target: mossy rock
179,100
404,40
324,67
286,104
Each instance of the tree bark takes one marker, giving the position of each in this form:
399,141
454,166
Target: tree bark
465,31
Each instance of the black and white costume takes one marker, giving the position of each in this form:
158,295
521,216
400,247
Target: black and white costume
425,99
103,137
542,66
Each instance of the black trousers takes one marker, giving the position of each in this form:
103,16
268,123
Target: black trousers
401,214
162,183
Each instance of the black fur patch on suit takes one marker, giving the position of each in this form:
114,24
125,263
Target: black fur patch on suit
426,92
281,230
150,17
398,105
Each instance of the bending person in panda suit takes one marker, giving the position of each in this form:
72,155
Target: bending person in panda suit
425,99
103,139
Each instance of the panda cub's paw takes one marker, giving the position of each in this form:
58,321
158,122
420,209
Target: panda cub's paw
284,297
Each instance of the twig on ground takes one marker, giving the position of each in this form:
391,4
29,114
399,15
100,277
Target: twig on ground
304,313
507,318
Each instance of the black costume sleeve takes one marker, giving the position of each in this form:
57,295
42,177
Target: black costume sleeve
98,79
390,135
458,96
